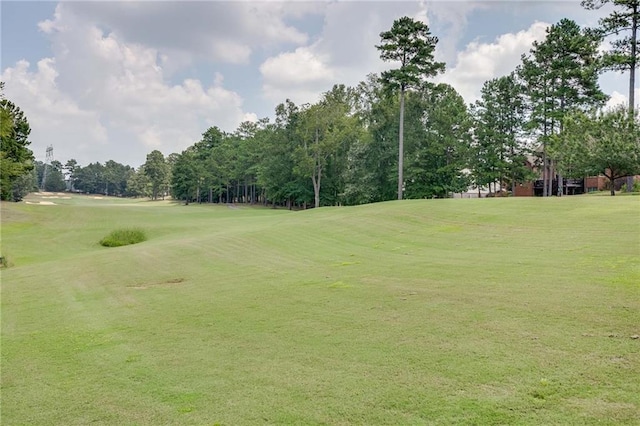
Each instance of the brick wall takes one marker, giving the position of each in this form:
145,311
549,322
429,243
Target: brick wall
597,182
524,190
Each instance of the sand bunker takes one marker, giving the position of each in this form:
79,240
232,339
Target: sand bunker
97,198
42,203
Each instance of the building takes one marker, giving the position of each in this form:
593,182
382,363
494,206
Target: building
570,186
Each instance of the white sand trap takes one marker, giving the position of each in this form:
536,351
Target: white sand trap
42,203
98,198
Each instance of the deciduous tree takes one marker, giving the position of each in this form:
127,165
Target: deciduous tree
157,171
16,159
605,143
622,25
325,129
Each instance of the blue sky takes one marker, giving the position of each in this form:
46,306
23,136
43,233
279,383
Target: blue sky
116,80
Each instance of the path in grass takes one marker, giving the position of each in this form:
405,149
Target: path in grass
439,311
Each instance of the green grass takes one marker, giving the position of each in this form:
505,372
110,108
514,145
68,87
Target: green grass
490,311
124,237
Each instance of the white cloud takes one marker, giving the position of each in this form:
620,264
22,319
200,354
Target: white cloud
299,75
454,18
102,98
618,98
343,54
480,62
52,115
110,87
214,31
250,116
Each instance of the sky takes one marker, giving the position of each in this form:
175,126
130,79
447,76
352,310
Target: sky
116,80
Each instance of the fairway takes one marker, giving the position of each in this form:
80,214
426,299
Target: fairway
474,311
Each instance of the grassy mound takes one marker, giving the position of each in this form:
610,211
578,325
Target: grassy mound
476,311
123,237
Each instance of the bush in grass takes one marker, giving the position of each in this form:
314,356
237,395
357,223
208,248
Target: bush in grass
123,237
635,187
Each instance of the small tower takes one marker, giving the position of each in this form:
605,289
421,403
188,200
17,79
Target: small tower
47,163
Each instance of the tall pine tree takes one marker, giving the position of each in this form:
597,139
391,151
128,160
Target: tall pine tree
560,75
409,43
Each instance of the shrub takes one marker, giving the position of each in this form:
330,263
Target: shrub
501,193
635,188
123,237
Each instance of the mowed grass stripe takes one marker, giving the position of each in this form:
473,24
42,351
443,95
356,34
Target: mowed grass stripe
443,311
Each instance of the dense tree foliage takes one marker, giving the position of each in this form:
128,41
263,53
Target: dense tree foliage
325,130
499,151
138,184
157,170
560,75
438,153
16,159
352,146
53,179
621,25
112,178
602,143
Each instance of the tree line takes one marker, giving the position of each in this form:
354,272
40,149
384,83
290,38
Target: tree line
399,135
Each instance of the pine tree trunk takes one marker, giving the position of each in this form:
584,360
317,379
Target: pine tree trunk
634,50
317,176
544,171
401,146
550,179
560,185
316,190
632,77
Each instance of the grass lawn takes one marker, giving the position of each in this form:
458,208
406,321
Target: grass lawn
489,311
